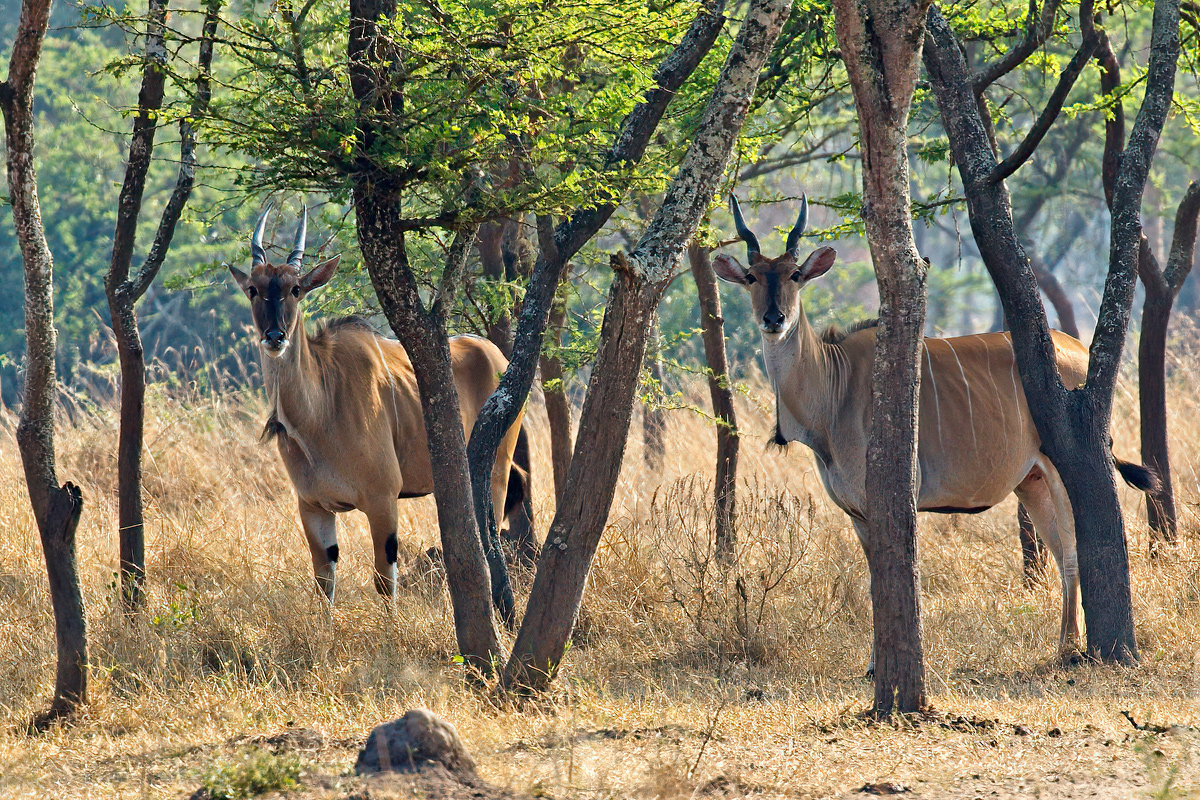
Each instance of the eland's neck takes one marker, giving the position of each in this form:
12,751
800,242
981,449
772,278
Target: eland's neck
293,383
809,376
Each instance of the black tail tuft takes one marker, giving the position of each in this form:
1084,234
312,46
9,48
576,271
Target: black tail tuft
778,439
1139,476
518,504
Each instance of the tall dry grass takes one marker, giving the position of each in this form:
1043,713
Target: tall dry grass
680,672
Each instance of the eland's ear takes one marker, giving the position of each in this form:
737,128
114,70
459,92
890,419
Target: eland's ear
243,280
818,263
320,275
728,269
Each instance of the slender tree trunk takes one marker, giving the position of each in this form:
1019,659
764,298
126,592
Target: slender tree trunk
491,257
124,291
1161,290
654,418
712,326
56,508
637,288
558,408
881,47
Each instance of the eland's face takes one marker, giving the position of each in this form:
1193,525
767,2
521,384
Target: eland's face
275,291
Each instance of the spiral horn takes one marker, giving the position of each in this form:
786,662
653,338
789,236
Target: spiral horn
747,235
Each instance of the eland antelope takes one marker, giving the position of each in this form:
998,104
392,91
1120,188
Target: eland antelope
346,412
976,443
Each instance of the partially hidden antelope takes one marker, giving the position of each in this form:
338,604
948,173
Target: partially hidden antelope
976,440
346,412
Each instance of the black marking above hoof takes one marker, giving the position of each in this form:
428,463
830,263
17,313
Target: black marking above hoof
331,553
389,549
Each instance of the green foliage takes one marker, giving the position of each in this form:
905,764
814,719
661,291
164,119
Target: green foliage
253,773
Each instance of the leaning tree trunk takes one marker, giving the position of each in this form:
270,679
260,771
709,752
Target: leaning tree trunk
56,508
883,73
556,247
1073,425
712,326
638,284
558,407
124,291
1162,287
654,417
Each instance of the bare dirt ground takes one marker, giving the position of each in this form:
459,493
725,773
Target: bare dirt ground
675,686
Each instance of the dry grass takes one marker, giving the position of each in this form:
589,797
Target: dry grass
681,681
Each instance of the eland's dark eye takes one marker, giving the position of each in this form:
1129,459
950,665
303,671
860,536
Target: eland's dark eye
749,278
295,291
252,292
796,276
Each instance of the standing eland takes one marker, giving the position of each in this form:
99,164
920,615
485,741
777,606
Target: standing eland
976,443
346,413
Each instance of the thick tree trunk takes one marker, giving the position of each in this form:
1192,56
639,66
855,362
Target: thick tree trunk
712,326
556,247
654,417
881,47
56,508
558,408
381,236
637,287
1073,425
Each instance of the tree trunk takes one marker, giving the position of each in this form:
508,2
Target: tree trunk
558,408
881,47
637,288
1073,425
712,326
654,417
1161,291
491,260
56,508
123,291
556,247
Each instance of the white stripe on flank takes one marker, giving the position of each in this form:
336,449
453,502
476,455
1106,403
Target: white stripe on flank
937,403
970,407
1016,389
391,379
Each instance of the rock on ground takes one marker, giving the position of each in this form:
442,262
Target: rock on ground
417,740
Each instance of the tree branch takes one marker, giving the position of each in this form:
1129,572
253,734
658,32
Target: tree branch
1059,96
1036,33
1183,242
187,160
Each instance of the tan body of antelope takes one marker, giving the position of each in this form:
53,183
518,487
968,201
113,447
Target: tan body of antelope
976,440
346,413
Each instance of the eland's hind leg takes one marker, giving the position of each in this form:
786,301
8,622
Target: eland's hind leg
320,529
1044,498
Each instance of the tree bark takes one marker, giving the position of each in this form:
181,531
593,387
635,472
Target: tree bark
1073,425
654,418
491,258
381,235
124,291
881,47
712,326
558,408
56,508
1161,290
637,288
556,247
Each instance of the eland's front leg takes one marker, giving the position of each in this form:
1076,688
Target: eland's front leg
320,529
383,537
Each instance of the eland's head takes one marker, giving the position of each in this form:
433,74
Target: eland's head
275,290
774,283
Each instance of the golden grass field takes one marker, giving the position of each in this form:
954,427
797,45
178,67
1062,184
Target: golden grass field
675,686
